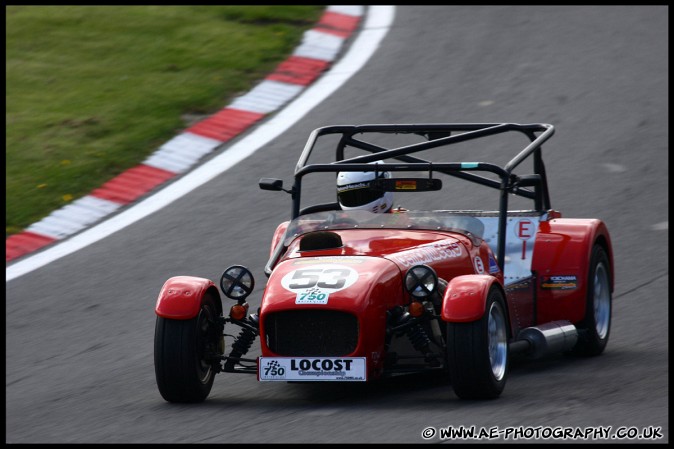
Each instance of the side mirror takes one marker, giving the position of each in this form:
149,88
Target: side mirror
271,184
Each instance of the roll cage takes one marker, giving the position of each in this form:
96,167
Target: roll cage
532,186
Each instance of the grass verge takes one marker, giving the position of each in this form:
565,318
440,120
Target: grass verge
93,90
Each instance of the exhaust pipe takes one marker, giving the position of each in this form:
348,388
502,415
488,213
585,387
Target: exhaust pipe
548,338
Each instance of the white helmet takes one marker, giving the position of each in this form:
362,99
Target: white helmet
354,191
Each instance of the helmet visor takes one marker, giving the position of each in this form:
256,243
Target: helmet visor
357,194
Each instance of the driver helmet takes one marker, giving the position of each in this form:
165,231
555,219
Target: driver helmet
354,191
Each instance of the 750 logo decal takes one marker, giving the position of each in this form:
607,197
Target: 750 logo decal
274,369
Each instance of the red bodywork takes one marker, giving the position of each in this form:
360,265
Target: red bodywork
181,296
563,247
381,258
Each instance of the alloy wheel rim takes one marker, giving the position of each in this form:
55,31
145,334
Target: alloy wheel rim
602,301
498,345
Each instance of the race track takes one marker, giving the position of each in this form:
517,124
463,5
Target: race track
79,331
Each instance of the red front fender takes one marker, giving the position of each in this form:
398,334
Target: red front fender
180,297
466,297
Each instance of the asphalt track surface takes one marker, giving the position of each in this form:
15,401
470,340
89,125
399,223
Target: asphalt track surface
79,330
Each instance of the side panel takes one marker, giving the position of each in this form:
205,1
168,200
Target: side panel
465,298
521,308
520,236
180,297
561,261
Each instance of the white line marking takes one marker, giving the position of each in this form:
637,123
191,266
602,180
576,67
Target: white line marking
614,168
662,226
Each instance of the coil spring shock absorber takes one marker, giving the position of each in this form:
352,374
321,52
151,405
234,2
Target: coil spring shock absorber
242,344
419,338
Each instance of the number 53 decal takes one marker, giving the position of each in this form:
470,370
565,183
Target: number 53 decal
327,278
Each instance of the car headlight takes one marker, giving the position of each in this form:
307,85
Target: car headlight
421,281
237,282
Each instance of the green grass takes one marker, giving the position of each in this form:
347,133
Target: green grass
93,90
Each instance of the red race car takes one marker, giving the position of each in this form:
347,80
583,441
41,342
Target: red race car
358,290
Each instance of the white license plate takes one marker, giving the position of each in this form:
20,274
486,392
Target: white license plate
315,369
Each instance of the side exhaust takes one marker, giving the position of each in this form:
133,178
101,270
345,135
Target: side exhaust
548,338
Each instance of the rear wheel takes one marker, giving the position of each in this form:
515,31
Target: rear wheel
185,355
595,328
478,352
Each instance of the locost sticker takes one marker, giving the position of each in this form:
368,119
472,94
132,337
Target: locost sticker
315,369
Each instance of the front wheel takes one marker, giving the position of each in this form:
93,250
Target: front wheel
595,327
185,355
478,352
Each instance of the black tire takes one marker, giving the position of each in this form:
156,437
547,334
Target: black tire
594,330
183,355
478,352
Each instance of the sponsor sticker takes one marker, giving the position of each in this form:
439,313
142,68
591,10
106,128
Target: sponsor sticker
493,266
406,185
428,253
561,282
312,296
479,266
354,186
318,369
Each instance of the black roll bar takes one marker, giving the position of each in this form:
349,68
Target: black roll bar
439,135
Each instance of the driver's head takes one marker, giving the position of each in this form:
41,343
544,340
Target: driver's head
354,191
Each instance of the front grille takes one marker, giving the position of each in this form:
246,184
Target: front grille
311,333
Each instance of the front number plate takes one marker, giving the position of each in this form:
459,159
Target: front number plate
315,369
